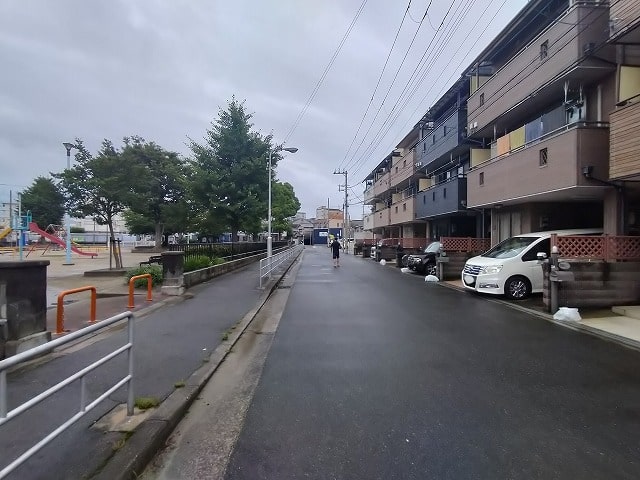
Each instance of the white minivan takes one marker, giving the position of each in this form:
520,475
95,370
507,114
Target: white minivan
511,268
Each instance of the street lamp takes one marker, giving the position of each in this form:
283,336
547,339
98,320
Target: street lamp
269,240
67,218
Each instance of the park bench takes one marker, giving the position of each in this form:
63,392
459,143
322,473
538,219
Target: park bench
153,259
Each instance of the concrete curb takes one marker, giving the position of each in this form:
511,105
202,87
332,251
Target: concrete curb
150,436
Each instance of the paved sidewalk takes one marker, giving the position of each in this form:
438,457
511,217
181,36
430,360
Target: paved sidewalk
172,343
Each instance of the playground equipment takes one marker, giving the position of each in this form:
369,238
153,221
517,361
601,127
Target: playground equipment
5,232
33,226
21,225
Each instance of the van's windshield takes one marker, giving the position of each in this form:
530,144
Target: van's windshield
509,248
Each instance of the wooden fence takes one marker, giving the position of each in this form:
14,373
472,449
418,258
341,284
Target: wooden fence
609,248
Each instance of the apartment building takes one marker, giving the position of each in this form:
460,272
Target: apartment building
539,107
391,191
539,133
624,166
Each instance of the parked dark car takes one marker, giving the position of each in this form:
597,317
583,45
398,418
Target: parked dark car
425,262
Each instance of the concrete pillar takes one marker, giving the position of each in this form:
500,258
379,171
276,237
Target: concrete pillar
23,306
172,273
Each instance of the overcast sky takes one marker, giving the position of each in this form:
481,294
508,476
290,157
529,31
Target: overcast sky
162,69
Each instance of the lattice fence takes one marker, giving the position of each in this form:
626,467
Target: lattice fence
606,247
465,244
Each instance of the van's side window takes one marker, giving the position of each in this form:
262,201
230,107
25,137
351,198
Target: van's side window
543,246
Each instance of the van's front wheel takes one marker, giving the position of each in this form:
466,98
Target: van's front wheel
517,288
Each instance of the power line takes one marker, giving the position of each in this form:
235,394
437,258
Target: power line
389,122
324,73
375,90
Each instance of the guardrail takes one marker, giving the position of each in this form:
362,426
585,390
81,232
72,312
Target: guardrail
132,282
60,310
269,264
85,406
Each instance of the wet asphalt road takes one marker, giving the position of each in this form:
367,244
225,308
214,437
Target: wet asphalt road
374,374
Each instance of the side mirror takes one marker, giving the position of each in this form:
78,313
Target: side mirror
541,256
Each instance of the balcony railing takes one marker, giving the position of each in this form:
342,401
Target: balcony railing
402,211
403,168
442,198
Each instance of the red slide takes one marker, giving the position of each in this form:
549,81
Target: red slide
33,226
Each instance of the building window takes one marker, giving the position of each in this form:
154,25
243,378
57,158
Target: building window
396,169
481,178
396,209
404,207
424,199
482,99
433,196
433,140
424,147
444,193
544,50
543,157
404,164
444,130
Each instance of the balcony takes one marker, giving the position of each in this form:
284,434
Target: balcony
367,222
625,142
402,211
445,137
403,169
369,197
381,185
625,21
381,218
547,169
444,198
533,77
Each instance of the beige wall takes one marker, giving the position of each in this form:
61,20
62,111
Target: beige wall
519,174
402,211
381,218
381,185
403,167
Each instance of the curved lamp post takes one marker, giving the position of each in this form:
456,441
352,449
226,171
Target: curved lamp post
271,152
67,218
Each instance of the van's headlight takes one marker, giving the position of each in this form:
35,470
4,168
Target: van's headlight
491,269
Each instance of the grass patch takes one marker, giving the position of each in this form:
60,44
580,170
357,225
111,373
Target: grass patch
179,384
225,336
115,446
145,403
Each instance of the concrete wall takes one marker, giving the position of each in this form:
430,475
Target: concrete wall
204,274
598,284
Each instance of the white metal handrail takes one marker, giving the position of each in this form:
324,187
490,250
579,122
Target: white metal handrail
6,415
269,264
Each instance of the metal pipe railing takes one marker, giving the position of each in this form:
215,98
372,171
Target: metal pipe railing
6,414
132,282
60,309
269,264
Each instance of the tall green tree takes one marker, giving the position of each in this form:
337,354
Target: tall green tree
161,185
100,187
284,205
230,178
45,201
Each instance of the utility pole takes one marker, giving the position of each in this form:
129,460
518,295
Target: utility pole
345,212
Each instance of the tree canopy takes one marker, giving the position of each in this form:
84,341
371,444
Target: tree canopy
284,205
45,201
160,188
100,187
230,177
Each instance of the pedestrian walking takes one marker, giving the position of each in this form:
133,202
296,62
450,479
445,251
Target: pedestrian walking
335,250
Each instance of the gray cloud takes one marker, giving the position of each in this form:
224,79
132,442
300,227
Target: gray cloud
108,69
